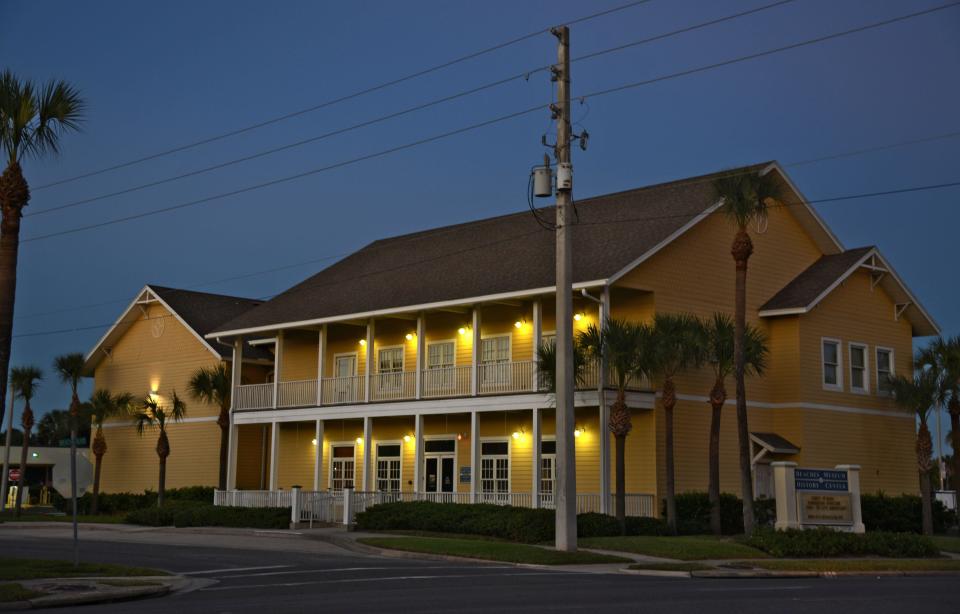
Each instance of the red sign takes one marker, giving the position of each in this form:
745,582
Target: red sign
14,475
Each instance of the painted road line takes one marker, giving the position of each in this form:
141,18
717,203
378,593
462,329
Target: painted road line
374,579
344,569
229,570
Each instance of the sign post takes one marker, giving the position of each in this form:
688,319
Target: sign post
808,498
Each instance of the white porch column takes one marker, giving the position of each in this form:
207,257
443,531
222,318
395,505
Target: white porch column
420,345
232,455
367,437
535,490
602,432
475,456
318,456
418,458
368,369
235,372
475,354
537,336
274,453
277,367
321,360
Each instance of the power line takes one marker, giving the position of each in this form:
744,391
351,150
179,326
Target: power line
524,235
420,107
493,121
334,101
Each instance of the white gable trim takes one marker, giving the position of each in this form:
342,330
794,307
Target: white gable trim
91,360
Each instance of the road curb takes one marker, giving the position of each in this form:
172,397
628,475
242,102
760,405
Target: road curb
101,594
730,574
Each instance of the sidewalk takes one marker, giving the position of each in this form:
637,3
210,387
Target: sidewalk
59,592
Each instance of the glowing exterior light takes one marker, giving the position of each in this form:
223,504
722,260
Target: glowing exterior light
359,441
516,434
409,336
314,441
462,330
577,432
578,316
363,342
518,324
407,438
34,454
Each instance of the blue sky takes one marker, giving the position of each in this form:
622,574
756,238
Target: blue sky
158,75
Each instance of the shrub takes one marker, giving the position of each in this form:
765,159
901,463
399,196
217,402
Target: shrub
512,523
829,543
120,502
196,514
693,513
901,514
645,526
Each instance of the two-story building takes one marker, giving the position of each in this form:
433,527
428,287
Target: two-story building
410,365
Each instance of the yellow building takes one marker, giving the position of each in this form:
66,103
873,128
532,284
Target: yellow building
410,365
154,348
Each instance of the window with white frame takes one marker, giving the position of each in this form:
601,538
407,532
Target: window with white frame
441,361
495,467
884,370
548,474
440,355
342,466
495,360
858,368
388,467
830,355
390,367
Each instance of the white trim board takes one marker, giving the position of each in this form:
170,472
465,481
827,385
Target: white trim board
114,425
801,405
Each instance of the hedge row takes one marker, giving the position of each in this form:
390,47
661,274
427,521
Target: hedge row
830,543
120,502
195,514
901,514
501,521
693,513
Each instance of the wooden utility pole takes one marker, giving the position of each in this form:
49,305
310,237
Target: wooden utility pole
566,483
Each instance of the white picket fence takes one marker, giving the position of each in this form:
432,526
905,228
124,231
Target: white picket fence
340,507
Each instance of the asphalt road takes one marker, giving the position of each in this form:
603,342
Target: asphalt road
266,574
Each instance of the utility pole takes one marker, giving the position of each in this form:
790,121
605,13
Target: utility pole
566,489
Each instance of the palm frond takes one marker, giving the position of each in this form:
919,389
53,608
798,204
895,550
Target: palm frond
547,364
916,394
677,344
70,368
32,118
24,381
746,196
211,385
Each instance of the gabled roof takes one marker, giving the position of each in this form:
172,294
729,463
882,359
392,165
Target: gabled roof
199,312
506,256
807,289
773,443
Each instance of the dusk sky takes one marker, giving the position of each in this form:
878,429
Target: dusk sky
160,75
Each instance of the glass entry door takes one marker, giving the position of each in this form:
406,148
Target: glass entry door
438,474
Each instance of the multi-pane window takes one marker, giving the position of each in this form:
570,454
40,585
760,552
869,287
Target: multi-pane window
884,369
390,366
495,467
440,355
495,360
388,467
440,375
858,367
341,467
548,464
831,364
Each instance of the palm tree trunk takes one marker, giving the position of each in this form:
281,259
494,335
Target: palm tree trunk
718,397
99,449
224,421
954,407
14,195
669,400
163,451
621,503
23,471
741,250
924,450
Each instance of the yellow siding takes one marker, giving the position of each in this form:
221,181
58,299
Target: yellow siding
253,457
295,455
299,360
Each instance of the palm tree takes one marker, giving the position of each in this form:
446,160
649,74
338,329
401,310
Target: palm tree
622,345
745,197
718,342
32,120
212,385
152,413
103,406
677,345
547,365
24,382
70,369
942,356
918,394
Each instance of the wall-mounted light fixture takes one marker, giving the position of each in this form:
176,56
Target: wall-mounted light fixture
517,434
314,441
409,336
579,431
407,438
578,316
359,441
363,342
462,330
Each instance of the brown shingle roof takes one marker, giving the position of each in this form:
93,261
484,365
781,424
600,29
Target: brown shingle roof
509,253
203,312
807,286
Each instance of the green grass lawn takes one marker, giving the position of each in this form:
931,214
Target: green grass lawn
859,564
682,566
683,548
28,517
29,569
489,550
947,543
14,592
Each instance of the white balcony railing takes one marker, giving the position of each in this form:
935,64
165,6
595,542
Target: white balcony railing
506,377
254,396
446,382
339,390
393,386
301,393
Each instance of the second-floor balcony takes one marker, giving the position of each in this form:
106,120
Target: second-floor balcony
495,378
